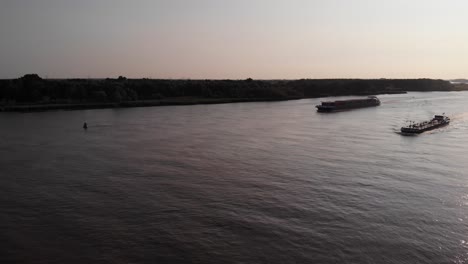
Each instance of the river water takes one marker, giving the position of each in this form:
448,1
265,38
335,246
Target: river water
267,182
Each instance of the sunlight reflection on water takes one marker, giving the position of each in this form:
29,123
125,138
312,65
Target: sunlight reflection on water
237,183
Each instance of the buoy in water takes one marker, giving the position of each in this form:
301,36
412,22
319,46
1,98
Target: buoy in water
85,126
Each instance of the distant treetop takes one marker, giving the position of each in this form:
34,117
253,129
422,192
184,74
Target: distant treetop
31,77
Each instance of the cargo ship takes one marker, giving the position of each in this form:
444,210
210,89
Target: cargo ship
418,128
332,106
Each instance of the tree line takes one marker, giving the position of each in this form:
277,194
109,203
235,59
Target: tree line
32,89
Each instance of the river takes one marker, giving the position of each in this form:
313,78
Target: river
263,182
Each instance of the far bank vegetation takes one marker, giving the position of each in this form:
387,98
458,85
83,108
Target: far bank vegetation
31,89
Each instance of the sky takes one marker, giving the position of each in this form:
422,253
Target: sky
234,39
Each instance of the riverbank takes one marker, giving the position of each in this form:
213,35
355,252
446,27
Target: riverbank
32,93
143,103
149,103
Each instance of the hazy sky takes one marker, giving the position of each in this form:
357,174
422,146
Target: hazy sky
281,39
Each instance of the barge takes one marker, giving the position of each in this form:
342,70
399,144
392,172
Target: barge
333,106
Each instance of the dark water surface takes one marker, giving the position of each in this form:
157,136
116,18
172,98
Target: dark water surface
236,183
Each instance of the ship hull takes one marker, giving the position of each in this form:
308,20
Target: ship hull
419,131
325,110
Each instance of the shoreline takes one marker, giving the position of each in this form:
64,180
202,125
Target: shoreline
31,93
128,104
152,103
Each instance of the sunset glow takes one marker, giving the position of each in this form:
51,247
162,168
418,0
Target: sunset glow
263,39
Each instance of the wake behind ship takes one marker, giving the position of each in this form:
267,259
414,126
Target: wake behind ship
332,106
